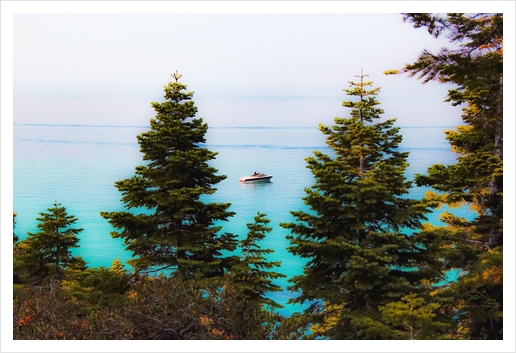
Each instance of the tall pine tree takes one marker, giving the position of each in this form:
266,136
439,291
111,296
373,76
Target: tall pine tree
475,68
171,227
356,238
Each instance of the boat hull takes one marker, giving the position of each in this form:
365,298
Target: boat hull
251,178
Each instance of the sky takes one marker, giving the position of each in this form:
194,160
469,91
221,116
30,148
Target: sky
245,69
249,64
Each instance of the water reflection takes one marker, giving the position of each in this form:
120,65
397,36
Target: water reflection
254,185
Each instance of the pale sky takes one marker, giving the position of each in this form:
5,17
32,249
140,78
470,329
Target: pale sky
245,69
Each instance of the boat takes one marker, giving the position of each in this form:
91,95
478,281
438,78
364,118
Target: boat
256,177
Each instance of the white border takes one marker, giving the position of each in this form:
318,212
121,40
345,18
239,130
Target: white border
8,9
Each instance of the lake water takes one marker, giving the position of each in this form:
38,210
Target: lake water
78,165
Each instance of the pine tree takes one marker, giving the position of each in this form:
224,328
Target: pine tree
411,318
356,238
118,267
171,227
48,252
250,273
15,237
475,68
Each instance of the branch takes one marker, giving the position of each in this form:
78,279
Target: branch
477,243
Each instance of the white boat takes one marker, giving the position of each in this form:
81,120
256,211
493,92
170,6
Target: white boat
256,177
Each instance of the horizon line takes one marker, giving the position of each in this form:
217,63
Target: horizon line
220,126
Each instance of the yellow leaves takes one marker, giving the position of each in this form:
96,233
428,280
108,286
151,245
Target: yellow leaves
489,270
492,46
331,319
492,264
132,294
494,274
176,76
217,332
23,246
390,72
456,149
117,267
445,198
431,195
206,321
434,293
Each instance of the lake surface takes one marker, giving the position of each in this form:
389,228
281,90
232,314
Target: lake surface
77,166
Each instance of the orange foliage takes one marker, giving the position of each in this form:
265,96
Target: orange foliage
495,274
132,294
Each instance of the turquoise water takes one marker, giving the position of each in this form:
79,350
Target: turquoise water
78,165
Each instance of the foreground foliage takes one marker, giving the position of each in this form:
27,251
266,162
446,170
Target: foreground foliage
149,308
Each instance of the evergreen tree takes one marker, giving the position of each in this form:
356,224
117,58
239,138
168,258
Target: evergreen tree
15,237
97,288
171,227
356,239
412,319
475,68
48,252
118,267
250,273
